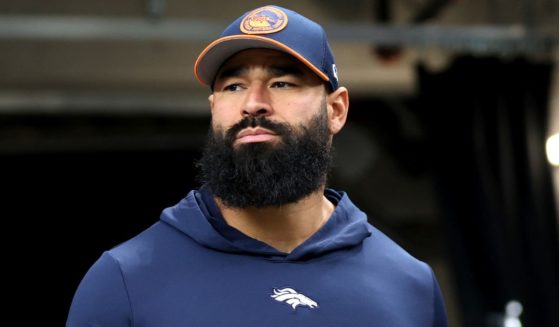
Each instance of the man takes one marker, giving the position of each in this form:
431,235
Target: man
263,242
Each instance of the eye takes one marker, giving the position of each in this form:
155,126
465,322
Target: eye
281,85
232,87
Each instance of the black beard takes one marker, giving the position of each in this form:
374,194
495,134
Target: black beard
265,173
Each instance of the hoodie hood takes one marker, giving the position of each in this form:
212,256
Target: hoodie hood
197,216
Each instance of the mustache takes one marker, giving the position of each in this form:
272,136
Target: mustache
278,128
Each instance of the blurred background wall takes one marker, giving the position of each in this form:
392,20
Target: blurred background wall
101,122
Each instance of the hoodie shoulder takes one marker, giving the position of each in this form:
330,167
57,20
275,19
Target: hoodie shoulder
102,297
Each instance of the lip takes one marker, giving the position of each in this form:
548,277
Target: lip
250,135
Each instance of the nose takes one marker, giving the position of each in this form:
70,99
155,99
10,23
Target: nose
258,102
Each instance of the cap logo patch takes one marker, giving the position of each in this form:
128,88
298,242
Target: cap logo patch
264,20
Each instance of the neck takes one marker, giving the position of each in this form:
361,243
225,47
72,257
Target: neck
282,227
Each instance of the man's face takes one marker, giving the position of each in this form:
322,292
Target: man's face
270,139
264,83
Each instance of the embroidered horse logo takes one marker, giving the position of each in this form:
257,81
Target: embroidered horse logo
293,298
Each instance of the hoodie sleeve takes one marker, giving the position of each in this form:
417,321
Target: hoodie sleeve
439,315
101,298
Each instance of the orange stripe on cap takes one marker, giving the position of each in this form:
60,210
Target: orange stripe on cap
258,38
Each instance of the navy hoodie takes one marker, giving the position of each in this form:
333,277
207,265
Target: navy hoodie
192,269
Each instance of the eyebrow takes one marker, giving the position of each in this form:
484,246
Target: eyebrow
285,70
276,71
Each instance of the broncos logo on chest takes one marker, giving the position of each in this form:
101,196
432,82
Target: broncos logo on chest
293,298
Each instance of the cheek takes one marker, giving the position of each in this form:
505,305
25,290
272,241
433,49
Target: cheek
303,110
222,118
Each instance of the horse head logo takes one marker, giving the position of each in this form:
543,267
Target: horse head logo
293,298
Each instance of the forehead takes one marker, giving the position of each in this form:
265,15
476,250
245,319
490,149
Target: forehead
264,58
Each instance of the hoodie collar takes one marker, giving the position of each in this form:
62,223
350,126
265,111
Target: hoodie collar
198,217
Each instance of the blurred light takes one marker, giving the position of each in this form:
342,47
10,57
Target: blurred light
512,322
513,310
552,149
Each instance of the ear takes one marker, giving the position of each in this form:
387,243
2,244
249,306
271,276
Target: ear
211,100
338,105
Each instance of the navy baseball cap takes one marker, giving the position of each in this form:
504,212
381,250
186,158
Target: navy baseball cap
271,27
